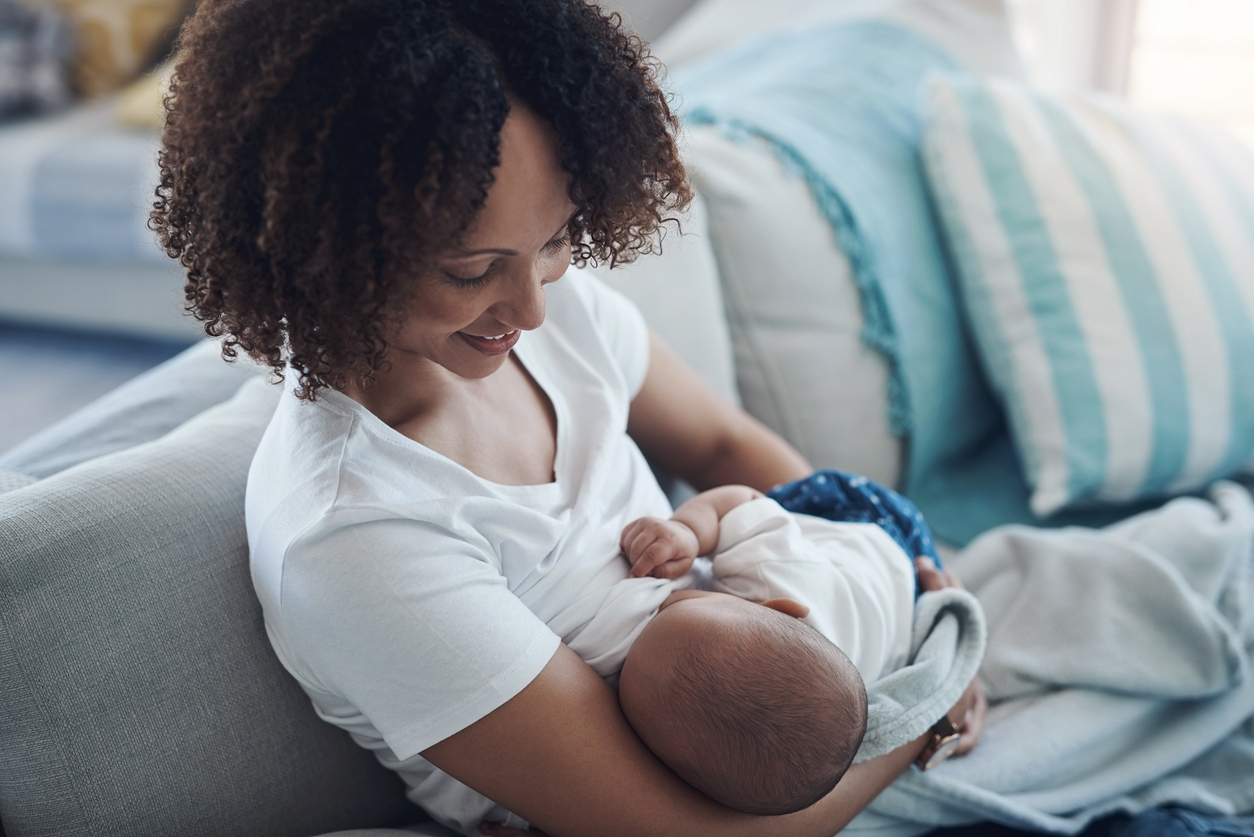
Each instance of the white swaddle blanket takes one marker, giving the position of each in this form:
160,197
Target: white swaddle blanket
1118,665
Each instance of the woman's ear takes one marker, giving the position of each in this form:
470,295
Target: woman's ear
788,607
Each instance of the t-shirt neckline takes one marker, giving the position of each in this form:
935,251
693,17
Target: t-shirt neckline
537,373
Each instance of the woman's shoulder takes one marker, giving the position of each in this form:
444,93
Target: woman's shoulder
587,319
581,299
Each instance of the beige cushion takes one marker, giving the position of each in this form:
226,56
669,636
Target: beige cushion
678,292
794,311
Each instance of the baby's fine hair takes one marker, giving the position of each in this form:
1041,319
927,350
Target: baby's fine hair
771,719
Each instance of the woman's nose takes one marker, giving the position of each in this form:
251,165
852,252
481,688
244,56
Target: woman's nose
523,306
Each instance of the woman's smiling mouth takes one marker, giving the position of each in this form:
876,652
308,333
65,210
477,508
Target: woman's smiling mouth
496,345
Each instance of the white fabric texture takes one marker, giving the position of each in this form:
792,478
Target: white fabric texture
1118,667
410,597
1106,259
856,580
916,658
677,291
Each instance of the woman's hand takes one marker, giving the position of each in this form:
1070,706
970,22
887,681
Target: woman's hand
932,577
972,708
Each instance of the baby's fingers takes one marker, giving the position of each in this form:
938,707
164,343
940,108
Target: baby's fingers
639,535
654,555
673,569
630,531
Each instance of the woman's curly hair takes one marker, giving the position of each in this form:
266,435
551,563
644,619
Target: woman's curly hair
318,153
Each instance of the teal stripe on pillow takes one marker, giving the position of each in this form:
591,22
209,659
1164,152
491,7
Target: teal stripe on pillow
1147,309
1106,260
1042,281
1234,318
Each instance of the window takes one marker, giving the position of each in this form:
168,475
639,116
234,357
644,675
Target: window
1191,57
1196,57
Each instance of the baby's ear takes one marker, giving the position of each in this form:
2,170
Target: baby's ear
788,607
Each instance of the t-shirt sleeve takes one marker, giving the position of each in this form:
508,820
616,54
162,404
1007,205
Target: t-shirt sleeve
621,326
412,626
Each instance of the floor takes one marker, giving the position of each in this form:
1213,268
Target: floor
48,373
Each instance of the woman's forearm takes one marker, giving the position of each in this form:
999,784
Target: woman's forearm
748,453
857,789
561,755
697,434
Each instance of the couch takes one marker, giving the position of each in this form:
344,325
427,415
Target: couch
138,693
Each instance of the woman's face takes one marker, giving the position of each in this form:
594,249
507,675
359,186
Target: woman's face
469,309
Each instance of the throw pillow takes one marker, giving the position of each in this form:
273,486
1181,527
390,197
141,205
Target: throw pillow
1106,259
117,39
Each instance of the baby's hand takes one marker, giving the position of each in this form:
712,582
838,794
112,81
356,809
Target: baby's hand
660,548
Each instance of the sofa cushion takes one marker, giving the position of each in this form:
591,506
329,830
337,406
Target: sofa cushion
141,410
794,310
677,291
138,693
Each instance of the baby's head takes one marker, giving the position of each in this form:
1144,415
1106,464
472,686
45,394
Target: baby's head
750,706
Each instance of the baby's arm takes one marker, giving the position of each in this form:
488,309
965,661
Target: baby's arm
666,548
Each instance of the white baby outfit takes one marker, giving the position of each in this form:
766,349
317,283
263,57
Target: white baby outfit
856,580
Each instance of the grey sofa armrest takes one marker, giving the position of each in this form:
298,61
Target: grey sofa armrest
141,410
139,696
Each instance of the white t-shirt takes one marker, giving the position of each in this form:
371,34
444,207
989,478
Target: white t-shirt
856,580
410,597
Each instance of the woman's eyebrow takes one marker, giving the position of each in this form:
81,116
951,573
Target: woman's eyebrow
466,254
493,251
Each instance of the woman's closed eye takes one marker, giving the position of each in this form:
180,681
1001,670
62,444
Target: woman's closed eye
559,242
470,281
552,246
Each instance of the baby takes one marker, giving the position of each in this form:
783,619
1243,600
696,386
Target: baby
753,692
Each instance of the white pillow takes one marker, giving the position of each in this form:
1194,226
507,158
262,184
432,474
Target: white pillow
1106,259
794,310
678,292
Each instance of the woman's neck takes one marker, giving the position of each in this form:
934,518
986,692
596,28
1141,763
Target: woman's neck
409,388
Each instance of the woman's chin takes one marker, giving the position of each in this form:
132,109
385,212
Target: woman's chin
472,365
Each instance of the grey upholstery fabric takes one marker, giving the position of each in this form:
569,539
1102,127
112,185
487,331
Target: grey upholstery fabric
144,408
11,481
138,693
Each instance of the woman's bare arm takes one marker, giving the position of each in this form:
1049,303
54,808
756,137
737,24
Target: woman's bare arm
680,421
561,755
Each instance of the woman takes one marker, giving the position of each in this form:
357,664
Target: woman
378,198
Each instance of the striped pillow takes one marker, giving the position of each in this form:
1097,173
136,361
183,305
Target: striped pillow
1106,259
